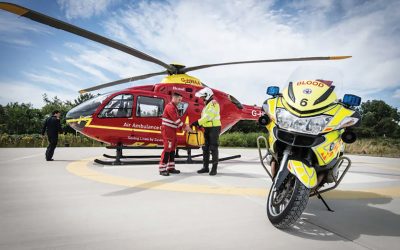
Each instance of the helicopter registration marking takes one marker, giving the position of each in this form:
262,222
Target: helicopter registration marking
191,81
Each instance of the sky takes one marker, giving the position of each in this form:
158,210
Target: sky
36,59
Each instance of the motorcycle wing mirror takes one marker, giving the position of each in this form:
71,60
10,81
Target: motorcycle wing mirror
351,100
273,91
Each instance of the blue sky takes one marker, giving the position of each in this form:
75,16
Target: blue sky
37,59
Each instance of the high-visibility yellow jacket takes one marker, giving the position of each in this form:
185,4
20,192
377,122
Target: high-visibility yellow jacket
210,116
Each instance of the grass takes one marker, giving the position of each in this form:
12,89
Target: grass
387,147
35,140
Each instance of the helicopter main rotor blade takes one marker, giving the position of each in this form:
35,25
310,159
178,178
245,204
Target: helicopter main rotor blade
130,79
267,61
50,21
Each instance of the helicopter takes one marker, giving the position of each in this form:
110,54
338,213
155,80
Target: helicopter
131,117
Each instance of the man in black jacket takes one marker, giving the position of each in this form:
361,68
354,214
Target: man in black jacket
53,127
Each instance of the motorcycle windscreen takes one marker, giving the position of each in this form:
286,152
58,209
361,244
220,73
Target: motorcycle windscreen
313,88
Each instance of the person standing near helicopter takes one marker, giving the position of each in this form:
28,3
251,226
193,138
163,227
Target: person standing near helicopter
171,123
211,121
52,126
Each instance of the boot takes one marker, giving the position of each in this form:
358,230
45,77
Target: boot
214,152
214,170
164,173
174,171
203,170
206,160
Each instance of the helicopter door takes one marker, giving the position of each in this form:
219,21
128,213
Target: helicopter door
147,124
116,117
119,106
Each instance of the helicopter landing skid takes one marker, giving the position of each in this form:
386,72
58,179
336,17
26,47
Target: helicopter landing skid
118,162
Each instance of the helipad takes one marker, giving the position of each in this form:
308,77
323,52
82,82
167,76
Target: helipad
73,203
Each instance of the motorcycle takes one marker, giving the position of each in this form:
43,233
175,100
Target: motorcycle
308,127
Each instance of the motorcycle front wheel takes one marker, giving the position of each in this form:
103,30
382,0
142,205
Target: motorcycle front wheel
285,206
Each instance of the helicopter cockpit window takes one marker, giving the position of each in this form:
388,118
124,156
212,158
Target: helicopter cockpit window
118,107
182,107
149,106
87,108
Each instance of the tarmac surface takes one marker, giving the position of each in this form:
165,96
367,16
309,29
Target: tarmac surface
74,203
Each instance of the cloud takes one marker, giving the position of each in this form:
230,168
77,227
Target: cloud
88,69
9,24
396,94
62,72
16,41
23,92
84,9
52,81
13,30
201,32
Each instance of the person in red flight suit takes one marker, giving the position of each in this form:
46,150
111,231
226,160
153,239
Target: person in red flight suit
171,123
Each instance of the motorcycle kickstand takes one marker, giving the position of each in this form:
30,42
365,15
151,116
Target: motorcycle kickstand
323,201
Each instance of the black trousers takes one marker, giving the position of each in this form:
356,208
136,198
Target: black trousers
53,140
211,143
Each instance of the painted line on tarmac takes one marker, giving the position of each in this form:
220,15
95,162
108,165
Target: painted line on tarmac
22,158
81,168
379,166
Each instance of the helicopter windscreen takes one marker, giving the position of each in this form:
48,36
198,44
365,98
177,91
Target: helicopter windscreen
87,108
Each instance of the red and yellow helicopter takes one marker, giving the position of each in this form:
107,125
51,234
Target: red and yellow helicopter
132,116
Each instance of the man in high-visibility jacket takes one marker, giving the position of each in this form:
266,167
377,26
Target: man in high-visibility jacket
171,123
211,122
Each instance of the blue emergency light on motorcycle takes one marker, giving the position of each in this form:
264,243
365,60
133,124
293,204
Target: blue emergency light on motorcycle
351,100
273,90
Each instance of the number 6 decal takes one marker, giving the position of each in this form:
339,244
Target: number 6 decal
303,102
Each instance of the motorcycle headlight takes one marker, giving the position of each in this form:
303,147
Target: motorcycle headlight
308,125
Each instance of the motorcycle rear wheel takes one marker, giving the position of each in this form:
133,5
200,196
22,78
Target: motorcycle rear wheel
285,206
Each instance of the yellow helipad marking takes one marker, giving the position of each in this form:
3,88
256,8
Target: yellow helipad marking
80,168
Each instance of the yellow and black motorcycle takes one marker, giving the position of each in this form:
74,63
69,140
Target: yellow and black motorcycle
307,128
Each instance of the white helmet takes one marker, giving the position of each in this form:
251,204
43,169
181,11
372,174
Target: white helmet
207,93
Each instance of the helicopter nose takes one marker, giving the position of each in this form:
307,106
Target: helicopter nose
79,116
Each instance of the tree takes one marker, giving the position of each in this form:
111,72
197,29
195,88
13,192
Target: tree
83,98
20,119
57,104
247,127
2,120
378,119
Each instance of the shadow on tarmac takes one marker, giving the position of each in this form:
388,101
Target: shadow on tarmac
351,219
150,184
240,175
